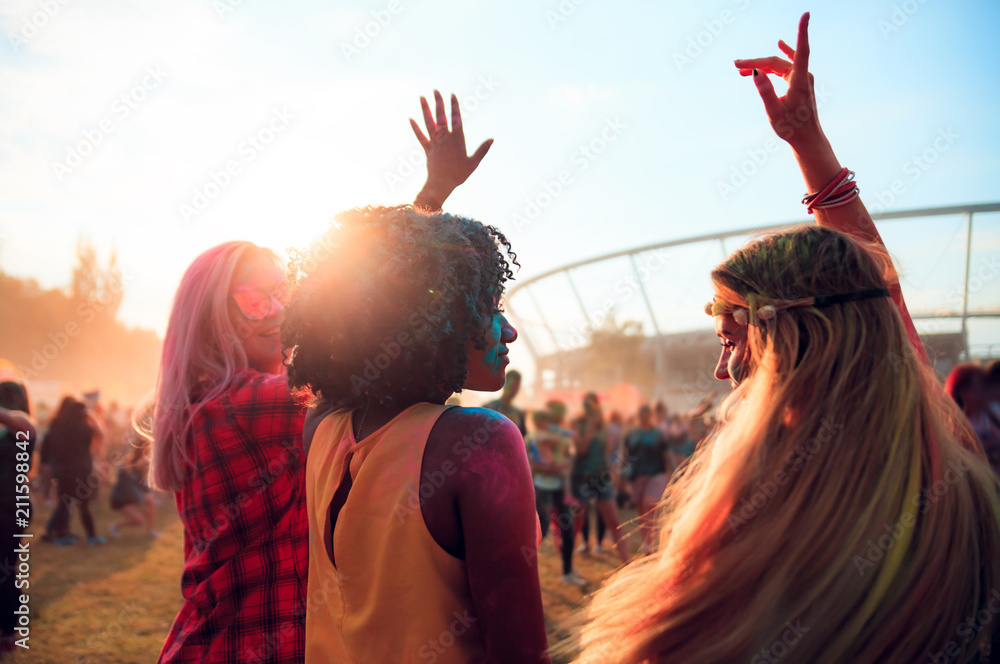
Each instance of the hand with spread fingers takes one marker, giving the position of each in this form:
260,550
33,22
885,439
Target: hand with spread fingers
792,116
448,164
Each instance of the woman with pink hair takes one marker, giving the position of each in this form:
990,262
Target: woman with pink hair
226,439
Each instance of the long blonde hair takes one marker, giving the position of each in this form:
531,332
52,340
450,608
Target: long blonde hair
201,354
841,513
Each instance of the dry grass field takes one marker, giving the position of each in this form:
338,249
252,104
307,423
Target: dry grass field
113,604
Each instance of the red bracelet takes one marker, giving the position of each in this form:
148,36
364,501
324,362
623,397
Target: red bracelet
836,191
811,199
841,199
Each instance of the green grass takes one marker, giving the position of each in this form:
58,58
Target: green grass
114,604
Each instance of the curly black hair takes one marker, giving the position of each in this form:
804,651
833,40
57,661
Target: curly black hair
385,302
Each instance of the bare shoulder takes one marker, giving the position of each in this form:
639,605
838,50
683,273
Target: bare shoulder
476,426
464,431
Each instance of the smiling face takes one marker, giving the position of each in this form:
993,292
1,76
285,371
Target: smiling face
486,367
732,359
260,338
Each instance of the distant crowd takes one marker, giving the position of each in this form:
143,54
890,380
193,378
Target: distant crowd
594,463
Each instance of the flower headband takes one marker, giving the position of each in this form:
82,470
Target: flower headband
768,311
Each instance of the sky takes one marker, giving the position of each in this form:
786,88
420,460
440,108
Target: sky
159,128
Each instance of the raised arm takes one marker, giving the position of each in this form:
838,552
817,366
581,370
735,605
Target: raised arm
448,164
795,120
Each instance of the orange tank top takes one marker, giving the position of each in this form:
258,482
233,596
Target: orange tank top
394,596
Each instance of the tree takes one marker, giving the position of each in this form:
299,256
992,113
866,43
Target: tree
100,288
70,337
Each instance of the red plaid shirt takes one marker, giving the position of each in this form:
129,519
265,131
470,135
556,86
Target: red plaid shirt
246,535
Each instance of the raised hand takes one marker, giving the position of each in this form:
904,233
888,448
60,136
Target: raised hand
448,164
794,119
793,116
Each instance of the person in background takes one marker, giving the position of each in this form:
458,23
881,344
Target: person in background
967,385
74,438
557,410
619,458
505,404
132,497
593,477
549,455
580,512
993,391
584,508
616,450
17,442
661,417
648,453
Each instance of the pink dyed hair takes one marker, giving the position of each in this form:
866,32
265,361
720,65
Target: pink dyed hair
202,352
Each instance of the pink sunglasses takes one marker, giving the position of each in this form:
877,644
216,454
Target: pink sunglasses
257,305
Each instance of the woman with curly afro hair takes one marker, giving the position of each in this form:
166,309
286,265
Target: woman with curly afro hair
226,439
423,532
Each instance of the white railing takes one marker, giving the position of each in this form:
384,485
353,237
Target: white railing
523,290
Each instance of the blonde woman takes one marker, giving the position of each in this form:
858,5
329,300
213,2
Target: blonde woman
842,512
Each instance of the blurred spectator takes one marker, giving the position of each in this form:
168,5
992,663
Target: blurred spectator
74,437
132,497
616,451
592,476
661,417
967,385
648,454
993,391
505,404
550,459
